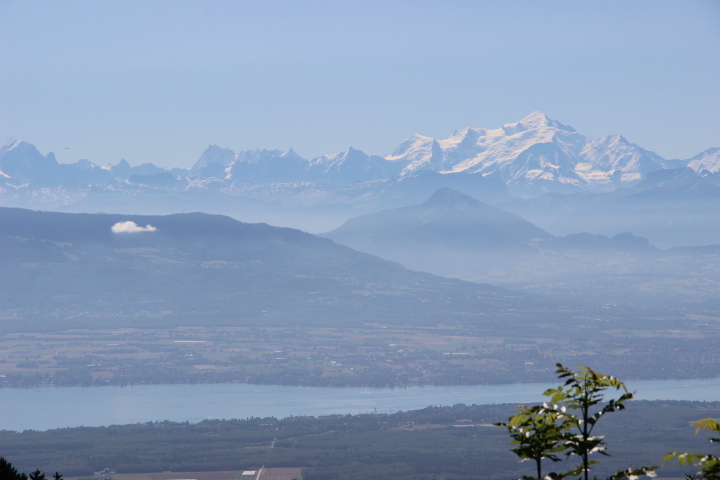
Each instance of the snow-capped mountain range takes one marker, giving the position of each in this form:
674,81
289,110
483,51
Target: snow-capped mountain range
530,157
538,154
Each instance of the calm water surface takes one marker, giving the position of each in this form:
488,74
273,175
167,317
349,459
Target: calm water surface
47,407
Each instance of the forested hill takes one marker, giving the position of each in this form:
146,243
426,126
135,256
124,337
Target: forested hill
96,270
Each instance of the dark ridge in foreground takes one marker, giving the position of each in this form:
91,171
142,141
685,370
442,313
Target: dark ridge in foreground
453,442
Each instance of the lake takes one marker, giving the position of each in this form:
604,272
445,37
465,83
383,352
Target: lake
44,408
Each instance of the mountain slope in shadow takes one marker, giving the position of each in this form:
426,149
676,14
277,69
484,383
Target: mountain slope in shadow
69,270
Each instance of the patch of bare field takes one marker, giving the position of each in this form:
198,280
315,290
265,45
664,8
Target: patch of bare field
224,475
281,474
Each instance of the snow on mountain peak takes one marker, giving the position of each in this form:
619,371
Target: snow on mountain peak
411,144
534,121
708,160
15,144
616,139
464,138
533,155
419,153
612,161
20,145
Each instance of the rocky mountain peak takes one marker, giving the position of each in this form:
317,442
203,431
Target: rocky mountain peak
213,154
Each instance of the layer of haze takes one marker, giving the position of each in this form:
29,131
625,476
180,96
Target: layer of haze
159,81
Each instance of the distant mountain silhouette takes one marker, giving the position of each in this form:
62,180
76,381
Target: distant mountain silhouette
68,270
448,233
676,207
455,235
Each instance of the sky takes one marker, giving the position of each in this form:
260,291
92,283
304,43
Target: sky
158,81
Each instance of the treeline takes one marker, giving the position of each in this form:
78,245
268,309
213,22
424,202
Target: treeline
420,444
8,472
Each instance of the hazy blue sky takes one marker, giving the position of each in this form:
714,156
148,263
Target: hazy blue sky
157,81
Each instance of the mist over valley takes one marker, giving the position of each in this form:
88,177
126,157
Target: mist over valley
518,239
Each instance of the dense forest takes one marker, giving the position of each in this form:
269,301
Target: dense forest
457,442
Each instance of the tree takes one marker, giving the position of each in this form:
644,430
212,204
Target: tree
37,475
547,431
8,472
709,464
583,392
538,433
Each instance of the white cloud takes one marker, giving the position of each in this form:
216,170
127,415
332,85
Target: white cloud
131,227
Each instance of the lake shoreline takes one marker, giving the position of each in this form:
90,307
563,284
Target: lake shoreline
290,385
33,408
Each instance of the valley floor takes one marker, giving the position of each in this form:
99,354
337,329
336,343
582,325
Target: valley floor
378,355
